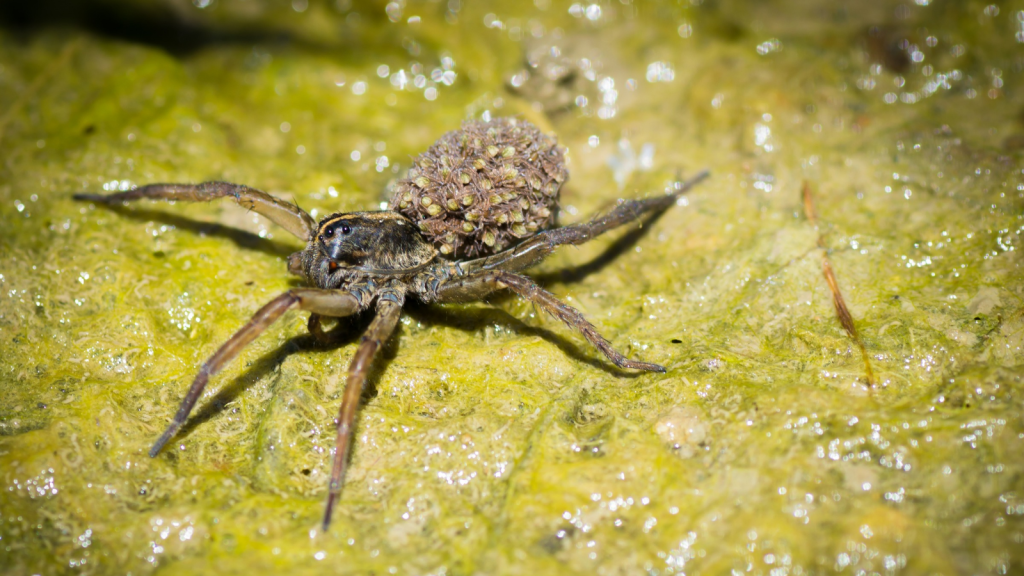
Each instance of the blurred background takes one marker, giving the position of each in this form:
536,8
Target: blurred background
880,141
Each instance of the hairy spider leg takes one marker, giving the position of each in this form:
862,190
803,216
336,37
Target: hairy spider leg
284,214
316,300
544,243
486,275
316,329
479,284
389,308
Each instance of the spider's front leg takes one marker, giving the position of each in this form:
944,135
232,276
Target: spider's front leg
389,308
315,300
479,284
284,214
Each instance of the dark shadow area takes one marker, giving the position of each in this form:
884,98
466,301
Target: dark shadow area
150,23
475,320
241,238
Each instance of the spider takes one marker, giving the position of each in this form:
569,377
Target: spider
356,261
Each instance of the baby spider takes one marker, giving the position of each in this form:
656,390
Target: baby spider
360,260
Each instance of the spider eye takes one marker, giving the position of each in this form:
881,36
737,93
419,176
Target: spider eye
343,227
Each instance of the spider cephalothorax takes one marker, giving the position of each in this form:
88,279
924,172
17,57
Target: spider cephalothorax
347,245
375,260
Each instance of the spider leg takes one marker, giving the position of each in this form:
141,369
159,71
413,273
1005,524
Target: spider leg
313,325
544,243
284,214
477,285
326,302
389,308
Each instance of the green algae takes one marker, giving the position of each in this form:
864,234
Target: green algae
495,441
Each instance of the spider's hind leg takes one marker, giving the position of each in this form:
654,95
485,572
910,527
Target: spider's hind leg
540,246
476,286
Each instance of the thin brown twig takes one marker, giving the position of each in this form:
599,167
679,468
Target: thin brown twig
833,285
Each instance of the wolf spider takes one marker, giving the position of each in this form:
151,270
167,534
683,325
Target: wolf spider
358,260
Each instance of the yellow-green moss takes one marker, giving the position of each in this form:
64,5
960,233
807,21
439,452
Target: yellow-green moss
494,440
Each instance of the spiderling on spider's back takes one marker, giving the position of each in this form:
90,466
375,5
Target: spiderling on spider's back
483,187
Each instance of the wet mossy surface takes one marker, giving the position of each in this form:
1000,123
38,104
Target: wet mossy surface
492,439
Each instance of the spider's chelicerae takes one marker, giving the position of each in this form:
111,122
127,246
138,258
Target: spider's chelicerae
496,184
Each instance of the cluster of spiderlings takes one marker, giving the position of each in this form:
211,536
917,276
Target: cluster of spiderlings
483,187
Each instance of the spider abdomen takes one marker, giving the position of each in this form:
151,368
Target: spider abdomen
482,188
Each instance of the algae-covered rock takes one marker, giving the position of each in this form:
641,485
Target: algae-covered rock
491,439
